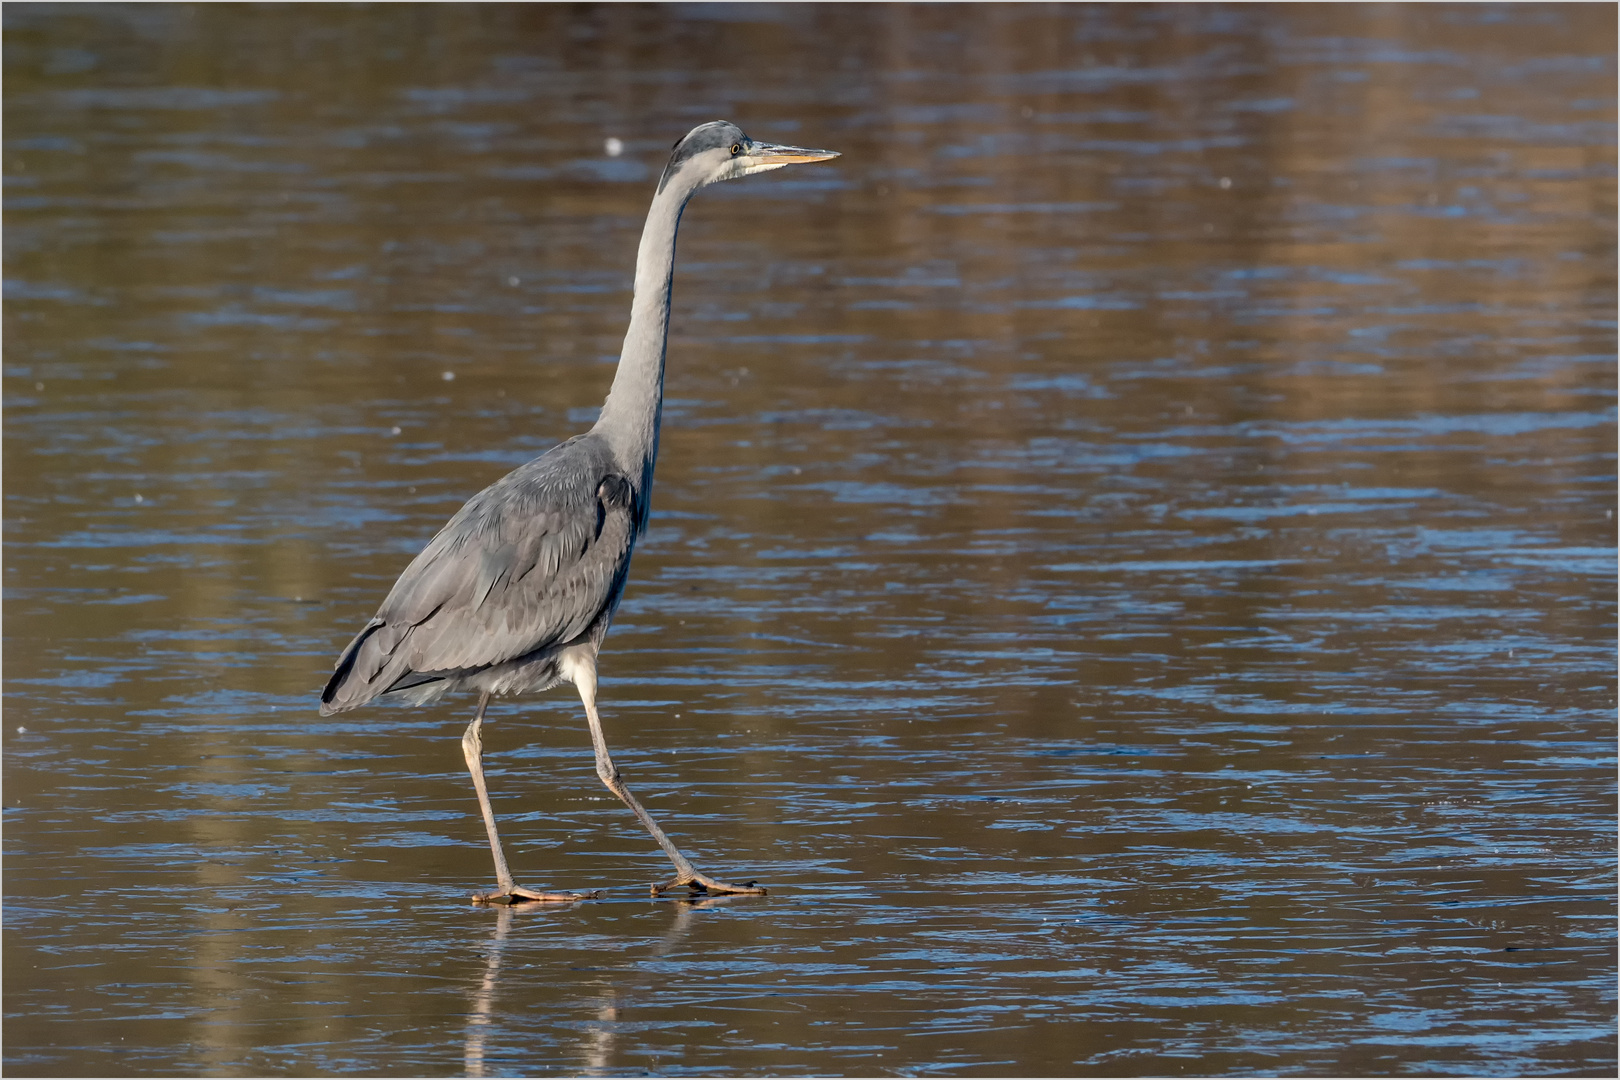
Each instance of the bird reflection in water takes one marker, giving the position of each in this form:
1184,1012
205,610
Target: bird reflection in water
596,1049
483,997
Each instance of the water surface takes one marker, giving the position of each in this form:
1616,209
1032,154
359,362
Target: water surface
1132,565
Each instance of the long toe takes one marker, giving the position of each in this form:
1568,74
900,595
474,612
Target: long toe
703,883
517,894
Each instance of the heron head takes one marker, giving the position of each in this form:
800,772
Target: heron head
719,150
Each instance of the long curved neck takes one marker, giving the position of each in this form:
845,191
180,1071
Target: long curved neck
631,415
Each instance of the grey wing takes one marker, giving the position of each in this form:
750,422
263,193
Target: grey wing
533,560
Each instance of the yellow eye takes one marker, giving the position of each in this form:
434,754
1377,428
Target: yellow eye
736,148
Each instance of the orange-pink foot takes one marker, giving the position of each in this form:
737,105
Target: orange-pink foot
703,883
517,894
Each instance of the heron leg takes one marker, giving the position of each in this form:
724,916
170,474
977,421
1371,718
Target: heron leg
472,747
685,873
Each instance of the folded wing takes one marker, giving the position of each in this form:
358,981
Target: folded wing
532,561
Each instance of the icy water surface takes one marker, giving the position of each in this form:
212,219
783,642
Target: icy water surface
1132,567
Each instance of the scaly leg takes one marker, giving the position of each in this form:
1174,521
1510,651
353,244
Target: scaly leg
584,677
472,747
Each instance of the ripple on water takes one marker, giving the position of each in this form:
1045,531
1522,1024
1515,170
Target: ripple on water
1134,579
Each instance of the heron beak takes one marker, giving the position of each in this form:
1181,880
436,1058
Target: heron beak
774,155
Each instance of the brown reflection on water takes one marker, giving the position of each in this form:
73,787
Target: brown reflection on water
1132,565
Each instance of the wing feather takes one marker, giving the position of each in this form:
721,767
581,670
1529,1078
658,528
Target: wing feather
533,560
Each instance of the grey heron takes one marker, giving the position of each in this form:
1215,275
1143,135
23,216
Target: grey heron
516,592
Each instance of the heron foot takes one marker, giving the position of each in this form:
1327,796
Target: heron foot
703,883
517,894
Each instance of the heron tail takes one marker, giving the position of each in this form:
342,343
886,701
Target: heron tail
371,667
345,690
